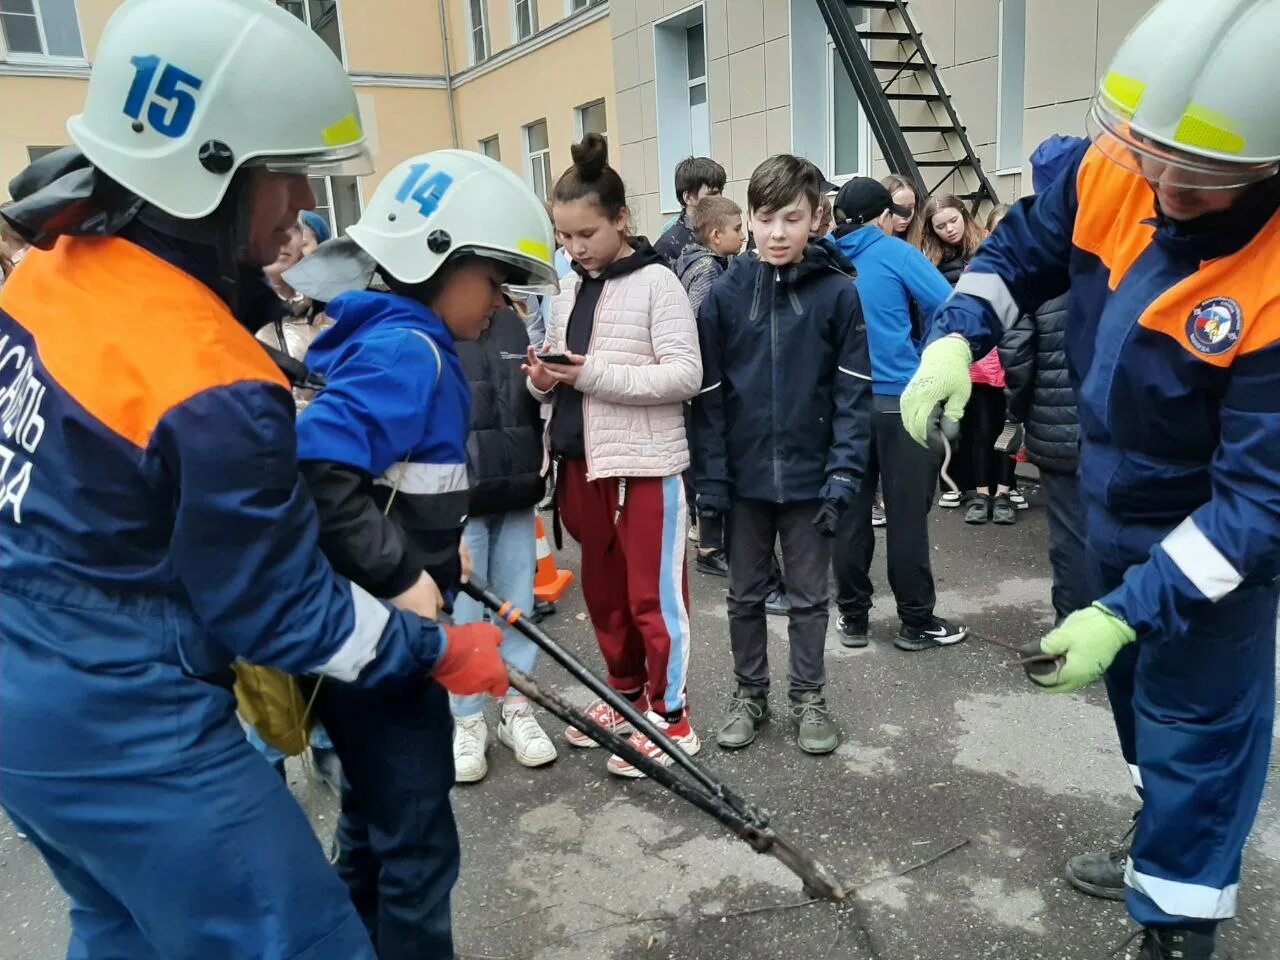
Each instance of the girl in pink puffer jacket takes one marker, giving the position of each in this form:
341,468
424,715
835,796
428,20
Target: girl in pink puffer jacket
625,345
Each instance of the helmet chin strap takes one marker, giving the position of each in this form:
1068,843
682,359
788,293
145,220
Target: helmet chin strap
226,231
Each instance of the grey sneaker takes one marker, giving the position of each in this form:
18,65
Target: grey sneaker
816,733
1101,873
747,710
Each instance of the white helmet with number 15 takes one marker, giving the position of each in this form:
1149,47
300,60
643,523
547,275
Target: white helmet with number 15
183,93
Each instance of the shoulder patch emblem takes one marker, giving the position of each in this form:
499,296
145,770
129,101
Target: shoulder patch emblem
1215,325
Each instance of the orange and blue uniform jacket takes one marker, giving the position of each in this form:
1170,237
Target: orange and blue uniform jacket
1173,342
153,524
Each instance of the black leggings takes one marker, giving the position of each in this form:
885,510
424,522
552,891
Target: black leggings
983,421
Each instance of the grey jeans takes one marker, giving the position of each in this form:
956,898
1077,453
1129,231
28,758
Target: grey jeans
754,527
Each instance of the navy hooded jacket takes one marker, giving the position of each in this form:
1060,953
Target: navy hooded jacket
784,413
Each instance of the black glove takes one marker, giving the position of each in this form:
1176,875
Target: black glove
827,517
712,505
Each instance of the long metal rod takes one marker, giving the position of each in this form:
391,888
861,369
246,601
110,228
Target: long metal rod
819,881
480,591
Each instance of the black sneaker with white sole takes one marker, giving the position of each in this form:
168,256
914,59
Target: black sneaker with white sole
936,633
852,629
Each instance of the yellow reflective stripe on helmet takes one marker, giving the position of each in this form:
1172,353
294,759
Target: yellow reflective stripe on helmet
1124,92
346,130
535,248
1202,127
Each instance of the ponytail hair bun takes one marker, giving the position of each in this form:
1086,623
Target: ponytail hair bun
591,178
590,157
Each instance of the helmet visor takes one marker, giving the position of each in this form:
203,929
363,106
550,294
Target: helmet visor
348,160
1157,162
526,275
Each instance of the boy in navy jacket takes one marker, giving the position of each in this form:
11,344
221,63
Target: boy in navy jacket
781,436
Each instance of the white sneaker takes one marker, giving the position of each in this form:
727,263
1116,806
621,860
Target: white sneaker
470,741
950,500
520,731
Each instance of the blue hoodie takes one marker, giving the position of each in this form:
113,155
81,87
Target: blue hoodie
892,273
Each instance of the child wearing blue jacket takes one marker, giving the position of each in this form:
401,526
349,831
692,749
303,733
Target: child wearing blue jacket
891,275
383,449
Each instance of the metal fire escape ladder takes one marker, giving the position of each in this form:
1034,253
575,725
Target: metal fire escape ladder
875,80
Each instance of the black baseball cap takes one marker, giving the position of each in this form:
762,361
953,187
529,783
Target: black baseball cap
862,199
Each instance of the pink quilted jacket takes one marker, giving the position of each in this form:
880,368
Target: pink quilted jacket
642,365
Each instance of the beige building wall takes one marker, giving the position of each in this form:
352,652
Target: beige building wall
395,53
752,83
547,84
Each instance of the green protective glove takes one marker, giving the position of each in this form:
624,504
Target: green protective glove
943,378
1084,645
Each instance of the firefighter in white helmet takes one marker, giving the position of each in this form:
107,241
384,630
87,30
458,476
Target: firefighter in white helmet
384,450
1166,231
153,523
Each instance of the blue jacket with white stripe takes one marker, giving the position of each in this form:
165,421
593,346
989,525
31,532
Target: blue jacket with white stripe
1173,342
390,426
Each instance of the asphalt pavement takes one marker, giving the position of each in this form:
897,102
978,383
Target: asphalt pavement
956,795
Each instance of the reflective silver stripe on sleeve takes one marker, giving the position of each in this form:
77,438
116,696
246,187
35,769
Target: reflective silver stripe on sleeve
714,386
360,647
1200,561
854,373
989,287
1184,899
426,478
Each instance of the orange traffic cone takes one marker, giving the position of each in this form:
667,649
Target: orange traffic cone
549,583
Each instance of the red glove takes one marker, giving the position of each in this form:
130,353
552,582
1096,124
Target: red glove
470,662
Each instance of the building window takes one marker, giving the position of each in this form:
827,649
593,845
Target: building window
337,200
684,116
41,28
538,158
525,18
828,124
490,148
478,29
1010,97
39,153
849,143
573,6
592,118
322,17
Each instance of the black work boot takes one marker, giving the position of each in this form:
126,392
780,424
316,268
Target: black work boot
1174,943
1101,873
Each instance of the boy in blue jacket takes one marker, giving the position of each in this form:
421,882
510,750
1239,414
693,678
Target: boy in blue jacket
383,449
891,274
781,437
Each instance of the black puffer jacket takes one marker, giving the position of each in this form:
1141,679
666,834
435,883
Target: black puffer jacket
1038,386
504,448
953,263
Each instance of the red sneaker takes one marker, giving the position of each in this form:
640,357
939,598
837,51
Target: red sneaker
604,716
681,731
